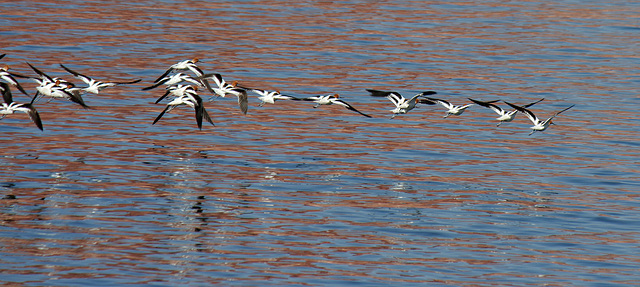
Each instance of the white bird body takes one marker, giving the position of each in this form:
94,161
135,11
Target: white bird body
271,97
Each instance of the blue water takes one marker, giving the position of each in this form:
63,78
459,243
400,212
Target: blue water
294,195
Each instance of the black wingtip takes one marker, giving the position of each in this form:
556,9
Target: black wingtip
378,93
519,108
426,102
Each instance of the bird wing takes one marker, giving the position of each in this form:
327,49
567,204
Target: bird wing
34,115
442,102
377,93
9,78
531,104
6,92
427,93
243,100
196,70
163,96
157,84
76,98
82,77
199,108
40,73
560,112
206,116
285,97
312,98
219,80
426,101
163,75
493,107
528,113
348,106
161,114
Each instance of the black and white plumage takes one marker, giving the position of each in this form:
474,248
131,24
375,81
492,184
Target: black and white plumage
538,125
56,88
95,86
403,105
9,106
181,66
271,96
9,78
223,89
504,116
451,108
192,100
330,100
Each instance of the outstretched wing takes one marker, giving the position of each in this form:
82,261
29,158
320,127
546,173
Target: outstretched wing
348,106
493,107
377,93
531,104
76,98
442,102
528,113
161,114
163,96
560,112
82,77
243,100
34,115
163,75
127,82
40,73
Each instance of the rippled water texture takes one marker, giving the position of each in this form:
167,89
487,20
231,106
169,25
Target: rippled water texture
295,195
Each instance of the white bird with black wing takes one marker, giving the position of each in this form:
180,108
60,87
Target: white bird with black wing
9,106
330,100
504,116
403,105
538,125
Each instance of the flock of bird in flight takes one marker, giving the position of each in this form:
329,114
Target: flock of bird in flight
183,88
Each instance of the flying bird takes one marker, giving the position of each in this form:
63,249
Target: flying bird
403,105
504,116
538,125
330,100
95,86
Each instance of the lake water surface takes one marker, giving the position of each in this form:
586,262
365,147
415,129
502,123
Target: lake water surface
294,195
